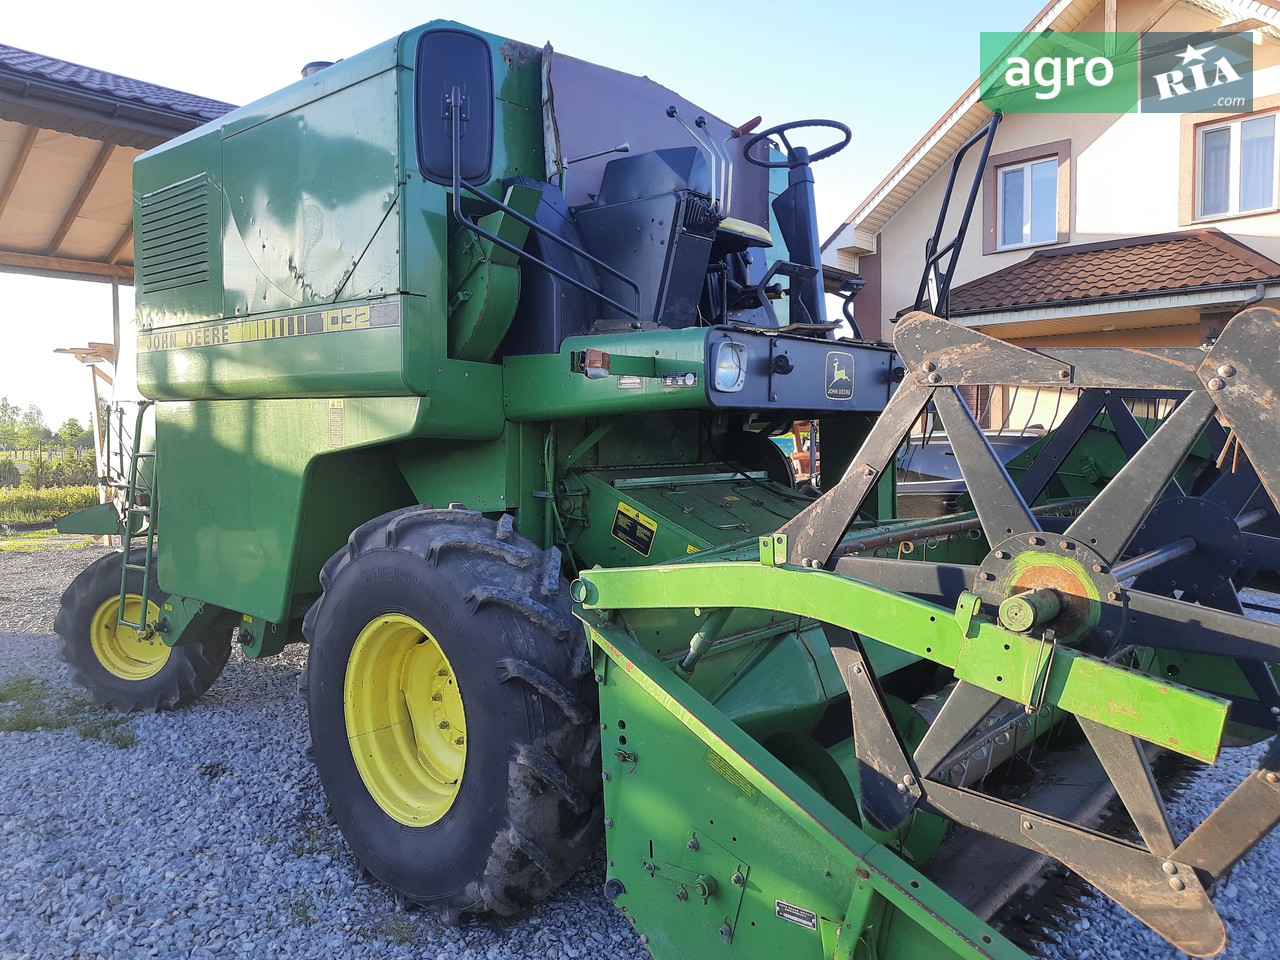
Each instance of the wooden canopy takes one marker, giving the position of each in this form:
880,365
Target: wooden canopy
68,137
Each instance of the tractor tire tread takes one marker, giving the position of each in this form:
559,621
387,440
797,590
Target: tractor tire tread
190,670
512,669
554,807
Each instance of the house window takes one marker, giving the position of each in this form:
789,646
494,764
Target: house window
1028,203
1236,168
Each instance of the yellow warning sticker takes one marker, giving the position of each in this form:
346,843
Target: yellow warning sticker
634,528
691,549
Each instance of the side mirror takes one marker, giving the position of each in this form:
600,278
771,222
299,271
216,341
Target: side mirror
448,60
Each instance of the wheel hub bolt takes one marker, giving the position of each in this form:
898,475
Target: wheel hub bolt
693,843
437,697
442,672
682,894
444,724
459,741
737,879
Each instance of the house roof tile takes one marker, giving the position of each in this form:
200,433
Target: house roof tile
1117,270
16,61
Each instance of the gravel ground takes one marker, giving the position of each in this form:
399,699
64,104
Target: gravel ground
207,836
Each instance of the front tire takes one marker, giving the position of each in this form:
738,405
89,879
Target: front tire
452,711
122,668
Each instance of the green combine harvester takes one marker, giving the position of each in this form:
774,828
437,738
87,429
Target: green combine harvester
464,358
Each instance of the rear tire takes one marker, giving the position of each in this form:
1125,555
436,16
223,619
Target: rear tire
453,712
119,668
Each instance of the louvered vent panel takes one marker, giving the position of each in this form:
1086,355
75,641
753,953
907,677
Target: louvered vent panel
174,235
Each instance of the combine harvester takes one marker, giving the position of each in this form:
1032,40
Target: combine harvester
425,277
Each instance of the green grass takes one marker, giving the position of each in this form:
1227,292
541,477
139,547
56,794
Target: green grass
397,930
29,703
30,541
300,909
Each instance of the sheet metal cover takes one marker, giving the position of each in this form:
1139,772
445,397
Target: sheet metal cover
587,107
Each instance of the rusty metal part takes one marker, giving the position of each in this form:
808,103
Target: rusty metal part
1142,883
964,356
1240,822
888,787
1090,599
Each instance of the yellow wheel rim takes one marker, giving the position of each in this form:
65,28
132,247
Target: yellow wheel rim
122,650
405,722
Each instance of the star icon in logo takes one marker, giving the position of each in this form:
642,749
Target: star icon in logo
1191,53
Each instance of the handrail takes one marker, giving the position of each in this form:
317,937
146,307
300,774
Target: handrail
455,112
934,276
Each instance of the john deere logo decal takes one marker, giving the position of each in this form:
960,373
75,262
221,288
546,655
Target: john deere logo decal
839,375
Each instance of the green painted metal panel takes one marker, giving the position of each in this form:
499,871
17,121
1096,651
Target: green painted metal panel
1168,714
234,479
349,349
484,279
103,519
311,198
547,388
177,226
690,796
441,472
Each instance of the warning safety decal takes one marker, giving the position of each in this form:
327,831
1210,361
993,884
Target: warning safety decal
634,528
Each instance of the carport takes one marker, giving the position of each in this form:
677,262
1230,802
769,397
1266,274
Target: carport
68,138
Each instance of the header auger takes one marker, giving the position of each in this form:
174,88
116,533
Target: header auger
431,362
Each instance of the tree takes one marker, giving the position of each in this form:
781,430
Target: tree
37,474
72,434
32,433
9,416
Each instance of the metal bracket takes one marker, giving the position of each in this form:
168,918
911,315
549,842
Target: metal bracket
773,550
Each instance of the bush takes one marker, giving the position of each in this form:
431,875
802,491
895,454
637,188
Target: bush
71,473
10,475
23,503
37,474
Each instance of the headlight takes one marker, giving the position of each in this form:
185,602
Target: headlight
730,368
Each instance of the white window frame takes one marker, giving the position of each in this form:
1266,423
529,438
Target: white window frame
1026,166
1233,167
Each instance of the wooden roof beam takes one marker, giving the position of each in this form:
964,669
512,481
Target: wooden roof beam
86,187
118,247
19,161
64,267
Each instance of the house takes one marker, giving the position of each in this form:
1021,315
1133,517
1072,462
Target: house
1135,229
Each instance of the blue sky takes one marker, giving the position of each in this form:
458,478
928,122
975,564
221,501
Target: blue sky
888,70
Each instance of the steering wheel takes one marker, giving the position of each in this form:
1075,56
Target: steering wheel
780,131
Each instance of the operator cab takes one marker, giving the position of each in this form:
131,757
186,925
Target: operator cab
675,219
